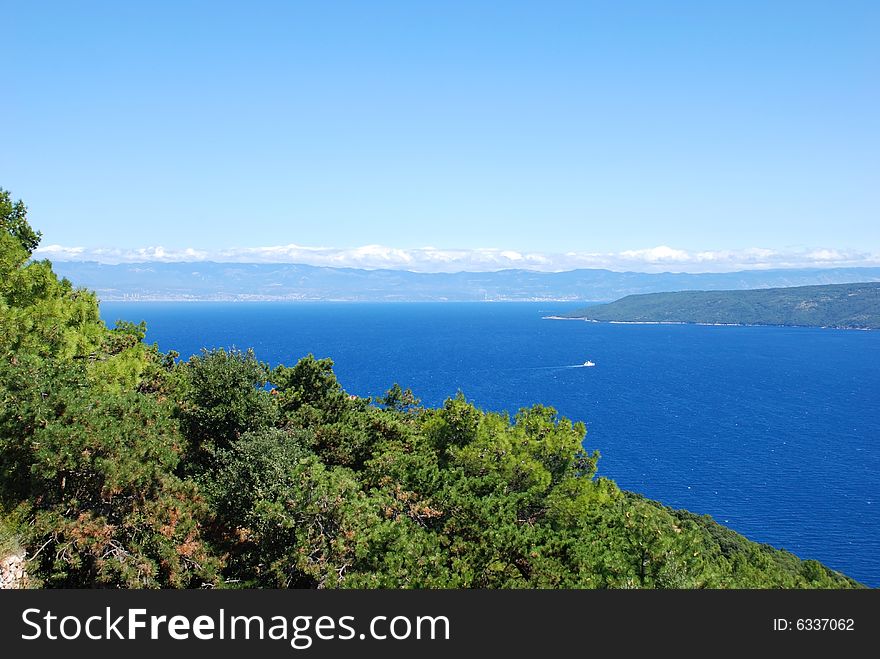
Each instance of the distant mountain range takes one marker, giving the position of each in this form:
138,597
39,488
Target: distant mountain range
261,281
855,306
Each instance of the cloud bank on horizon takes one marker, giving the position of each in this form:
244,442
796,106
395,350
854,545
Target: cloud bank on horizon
429,259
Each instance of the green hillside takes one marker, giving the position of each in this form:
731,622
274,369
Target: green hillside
833,305
122,466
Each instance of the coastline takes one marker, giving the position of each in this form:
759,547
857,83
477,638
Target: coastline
684,322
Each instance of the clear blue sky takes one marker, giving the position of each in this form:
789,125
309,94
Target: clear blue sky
552,126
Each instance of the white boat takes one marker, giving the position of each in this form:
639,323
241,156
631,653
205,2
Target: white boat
589,363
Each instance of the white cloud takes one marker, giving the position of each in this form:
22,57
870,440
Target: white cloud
432,259
656,254
826,255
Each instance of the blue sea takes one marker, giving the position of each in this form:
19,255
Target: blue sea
772,431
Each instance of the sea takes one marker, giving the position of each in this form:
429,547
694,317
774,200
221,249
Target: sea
773,431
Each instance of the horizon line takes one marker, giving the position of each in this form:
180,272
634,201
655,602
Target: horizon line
431,260
756,269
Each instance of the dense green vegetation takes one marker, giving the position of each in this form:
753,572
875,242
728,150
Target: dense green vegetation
121,466
831,305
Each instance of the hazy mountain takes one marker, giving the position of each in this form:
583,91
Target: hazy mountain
252,281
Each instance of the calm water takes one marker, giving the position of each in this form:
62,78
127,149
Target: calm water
772,431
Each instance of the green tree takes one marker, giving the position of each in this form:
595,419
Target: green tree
14,226
87,454
289,520
309,383
224,397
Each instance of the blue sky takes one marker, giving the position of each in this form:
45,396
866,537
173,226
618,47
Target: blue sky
745,132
